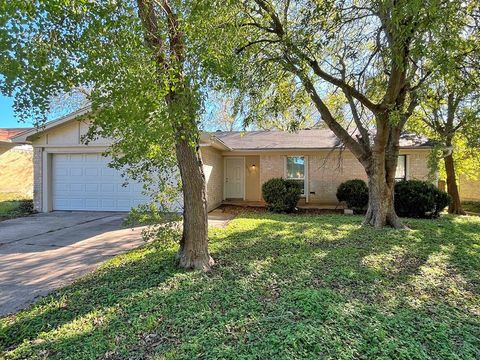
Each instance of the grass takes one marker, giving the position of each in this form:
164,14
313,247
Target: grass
473,206
284,287
11,205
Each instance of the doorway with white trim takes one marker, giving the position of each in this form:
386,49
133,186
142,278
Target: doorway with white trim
234,179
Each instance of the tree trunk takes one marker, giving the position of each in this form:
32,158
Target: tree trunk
455,206
381,210
381,178
193,252
169,57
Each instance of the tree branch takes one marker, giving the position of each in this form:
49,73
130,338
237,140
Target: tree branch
347,89
239,50
359,151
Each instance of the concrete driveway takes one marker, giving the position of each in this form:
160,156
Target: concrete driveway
46,251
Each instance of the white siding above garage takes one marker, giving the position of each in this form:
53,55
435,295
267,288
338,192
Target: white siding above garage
83,181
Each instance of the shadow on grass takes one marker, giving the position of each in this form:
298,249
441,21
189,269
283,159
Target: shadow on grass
284,286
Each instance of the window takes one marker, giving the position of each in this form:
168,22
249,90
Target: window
296,170
401,172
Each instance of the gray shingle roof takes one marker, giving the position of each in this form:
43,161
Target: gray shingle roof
303,139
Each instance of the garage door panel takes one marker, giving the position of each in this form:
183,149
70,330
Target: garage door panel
85,182
91,171
92,203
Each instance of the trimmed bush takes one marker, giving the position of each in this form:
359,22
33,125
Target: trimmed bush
281,195
26,206
354,193
419,199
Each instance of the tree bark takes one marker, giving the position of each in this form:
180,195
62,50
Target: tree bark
381,179
193,252
455,206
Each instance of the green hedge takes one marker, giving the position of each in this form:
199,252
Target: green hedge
281,195
354,193
419,199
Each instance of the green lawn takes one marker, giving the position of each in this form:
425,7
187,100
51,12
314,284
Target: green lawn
11,205
285,287
473,206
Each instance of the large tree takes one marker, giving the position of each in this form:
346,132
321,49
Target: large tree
135,59
377,53
450,114
449,109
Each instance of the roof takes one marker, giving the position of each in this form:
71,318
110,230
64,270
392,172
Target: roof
24,135
312,139
7,133
302,139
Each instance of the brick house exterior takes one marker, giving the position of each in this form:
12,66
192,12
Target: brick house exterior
70,175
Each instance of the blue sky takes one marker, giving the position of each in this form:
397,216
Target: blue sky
7,117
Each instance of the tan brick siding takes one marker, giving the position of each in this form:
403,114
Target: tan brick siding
327,170
37,179
213,168
252,178
469,189
271,166
417,164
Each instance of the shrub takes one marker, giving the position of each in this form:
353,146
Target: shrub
26,207
281,195
354,193
419,199
442,200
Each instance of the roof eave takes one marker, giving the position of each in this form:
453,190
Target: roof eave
27,136
421,147
7,144
210,139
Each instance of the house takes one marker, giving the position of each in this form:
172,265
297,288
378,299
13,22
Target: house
16,164
5,142
70,175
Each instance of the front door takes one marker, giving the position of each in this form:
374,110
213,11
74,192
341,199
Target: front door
234,178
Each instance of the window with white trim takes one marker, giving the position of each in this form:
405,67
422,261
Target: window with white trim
401,171
295,170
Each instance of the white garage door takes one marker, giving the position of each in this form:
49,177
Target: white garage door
85,182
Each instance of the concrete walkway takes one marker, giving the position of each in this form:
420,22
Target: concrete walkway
43,252
46,251
218,218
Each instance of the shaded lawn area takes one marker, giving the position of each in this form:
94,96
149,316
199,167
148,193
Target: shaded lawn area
284,287
473,206
11,205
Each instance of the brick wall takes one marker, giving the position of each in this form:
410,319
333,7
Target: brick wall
469,189
327,170
37,178
271,166
417,164
213,168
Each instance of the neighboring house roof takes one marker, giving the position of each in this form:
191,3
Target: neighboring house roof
5,137
6,144
302,139
7,133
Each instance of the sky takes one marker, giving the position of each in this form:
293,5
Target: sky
7,117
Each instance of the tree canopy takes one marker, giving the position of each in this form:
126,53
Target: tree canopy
135,61
377,55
